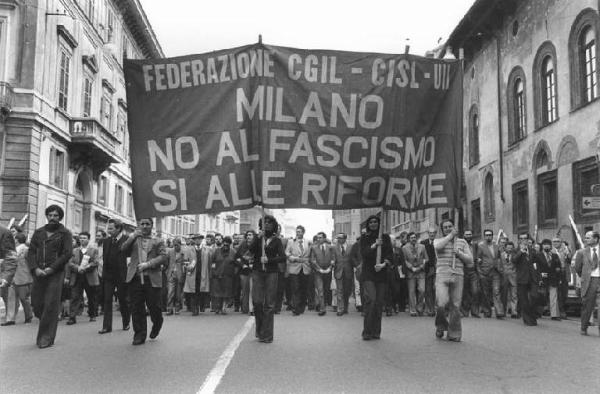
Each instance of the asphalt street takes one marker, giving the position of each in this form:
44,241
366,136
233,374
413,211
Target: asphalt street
310,354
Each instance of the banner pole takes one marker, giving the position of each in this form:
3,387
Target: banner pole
581,245
262,211
381,224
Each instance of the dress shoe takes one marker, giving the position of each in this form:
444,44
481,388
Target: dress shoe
359,308
367,337
454,339
71,322
340,313
104,331
514,316
476,316
583,332
223,312
28,320
322,313
556,319
92,318
295,314
439,333
531,324
126,328
376,337
500,317
335,309
138,341
8,323
413,314
45,345
265,340
154,332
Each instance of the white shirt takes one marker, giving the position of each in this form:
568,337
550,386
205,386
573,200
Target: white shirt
596,272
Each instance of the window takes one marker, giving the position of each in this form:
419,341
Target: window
475,217
473,136
520,200
106,108
125,47
130,204
57,168
585,177
3,24
489,204
545,88
63,78
550,113
88,8
583,60
517,114
102,190
547,199
587,49
110,24
119,198
87,95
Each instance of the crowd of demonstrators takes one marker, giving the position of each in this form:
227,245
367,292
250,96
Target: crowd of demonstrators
262,274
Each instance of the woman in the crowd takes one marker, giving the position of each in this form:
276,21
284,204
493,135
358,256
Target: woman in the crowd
222,269
245,260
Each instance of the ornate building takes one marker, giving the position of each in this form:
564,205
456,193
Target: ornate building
531,115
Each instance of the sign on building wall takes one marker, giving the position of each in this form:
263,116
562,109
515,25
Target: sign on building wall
293,128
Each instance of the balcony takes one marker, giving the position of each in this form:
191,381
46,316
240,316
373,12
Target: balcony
6,99
92,145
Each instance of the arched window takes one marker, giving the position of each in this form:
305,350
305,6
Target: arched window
549,104
517,114
541,160
489,205
544,86
583,59
587,50
473,136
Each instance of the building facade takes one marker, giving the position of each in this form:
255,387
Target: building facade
531,116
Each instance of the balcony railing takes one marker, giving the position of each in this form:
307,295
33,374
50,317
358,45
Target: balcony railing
90,130
6,98
91,140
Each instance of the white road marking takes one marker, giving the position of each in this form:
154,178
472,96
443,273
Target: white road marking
216,374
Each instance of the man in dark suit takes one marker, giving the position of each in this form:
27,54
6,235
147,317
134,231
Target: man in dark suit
588,269
343,273
527,281
430,272
321,258
82,274
144,278
548,264
114,273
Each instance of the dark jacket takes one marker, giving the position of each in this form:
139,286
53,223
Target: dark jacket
115,261
526,273
432,258
552,268
223,264
245,258
369,255
53,252
274,252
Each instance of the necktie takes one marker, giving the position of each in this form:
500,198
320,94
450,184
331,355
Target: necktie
301,246
343,250
595,259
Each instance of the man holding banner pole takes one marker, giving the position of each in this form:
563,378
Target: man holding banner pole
377,253
269,254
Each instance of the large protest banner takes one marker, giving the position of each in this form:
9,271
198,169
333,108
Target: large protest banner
293,128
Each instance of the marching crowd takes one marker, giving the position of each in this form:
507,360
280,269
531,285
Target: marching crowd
262,274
